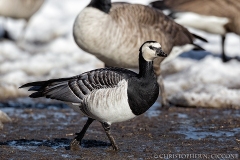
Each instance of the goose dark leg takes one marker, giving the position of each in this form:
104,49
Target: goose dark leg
157,70
106,66
110,137
77,140
6,34
163,95
224,58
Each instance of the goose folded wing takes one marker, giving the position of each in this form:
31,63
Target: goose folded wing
153,24
212,8
74,89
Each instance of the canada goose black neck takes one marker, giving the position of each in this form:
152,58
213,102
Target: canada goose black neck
102,5
143,90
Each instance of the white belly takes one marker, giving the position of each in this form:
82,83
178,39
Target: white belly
109,105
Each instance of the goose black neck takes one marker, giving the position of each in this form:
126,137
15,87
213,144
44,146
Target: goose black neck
102,5
145,67
143,90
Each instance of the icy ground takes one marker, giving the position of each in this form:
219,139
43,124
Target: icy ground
49,51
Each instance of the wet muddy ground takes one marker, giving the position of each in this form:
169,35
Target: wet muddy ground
44,130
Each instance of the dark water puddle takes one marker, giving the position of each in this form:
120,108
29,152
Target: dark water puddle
40,103
191,132
24,143
154,111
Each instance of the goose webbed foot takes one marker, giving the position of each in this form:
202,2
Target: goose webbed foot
76,142
106,127
165,105
237,58
227,59
74,145
6,35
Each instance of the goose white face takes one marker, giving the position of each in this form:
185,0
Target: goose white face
151,50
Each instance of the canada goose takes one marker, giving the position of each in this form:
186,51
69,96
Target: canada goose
108,95
217,17
113,31
20,9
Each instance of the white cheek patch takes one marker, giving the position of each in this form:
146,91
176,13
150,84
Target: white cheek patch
148,54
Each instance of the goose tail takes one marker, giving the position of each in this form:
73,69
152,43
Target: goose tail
59,89
159,5
199,37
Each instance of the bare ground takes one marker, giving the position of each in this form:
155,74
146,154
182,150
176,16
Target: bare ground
44,130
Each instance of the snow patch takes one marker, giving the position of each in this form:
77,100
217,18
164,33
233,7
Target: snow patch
49,51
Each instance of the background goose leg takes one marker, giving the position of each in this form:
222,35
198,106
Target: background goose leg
164,103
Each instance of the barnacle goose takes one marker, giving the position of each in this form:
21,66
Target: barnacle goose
20,9
113,31
216,17
107,95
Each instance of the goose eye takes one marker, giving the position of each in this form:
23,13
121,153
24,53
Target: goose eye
151,47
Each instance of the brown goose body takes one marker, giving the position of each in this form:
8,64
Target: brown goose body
114,37
223,8
20,9
226,10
